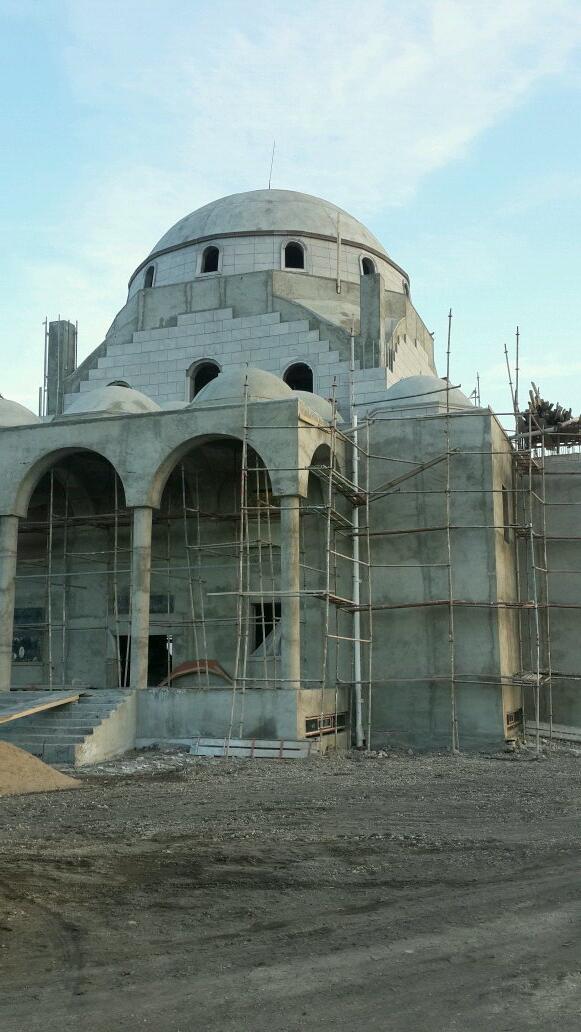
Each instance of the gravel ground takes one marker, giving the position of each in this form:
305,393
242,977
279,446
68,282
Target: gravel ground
398,892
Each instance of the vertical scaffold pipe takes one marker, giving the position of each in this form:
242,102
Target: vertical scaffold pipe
356,592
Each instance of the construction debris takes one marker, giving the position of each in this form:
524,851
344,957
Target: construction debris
549,418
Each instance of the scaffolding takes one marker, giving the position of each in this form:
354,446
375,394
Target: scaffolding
222,561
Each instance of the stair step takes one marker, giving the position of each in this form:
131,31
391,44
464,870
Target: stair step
32,737
57,735
48,729
76,715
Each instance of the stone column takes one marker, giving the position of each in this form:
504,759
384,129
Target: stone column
290,587
8,550
140,583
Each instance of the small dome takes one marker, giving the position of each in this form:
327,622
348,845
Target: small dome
113,400
263,211
229,388
13,414
414,391
320,406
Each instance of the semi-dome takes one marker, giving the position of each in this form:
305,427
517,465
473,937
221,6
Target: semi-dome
268,211
113,400
230,388
413,391
14,414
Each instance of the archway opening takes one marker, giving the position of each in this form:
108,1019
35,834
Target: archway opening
367,266
149,276
299,377
294,256
216,571
201,375
72,579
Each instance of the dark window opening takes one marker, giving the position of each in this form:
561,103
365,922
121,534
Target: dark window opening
27,637
202,375
294,257
406,288
506,514
28,616
118,383
299,377
266,616
27,647
149,275
367,267
210,259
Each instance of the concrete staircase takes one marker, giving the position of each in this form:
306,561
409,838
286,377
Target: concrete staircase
97,727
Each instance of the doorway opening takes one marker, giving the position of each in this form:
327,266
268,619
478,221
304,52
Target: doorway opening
159,663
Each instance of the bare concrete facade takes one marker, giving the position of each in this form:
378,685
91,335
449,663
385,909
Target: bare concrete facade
191,519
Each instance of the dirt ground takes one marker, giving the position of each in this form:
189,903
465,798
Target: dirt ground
395,893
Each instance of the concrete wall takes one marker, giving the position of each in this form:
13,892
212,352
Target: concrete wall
562,487
174,715
112,737
411,656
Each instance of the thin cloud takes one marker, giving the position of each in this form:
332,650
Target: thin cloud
178,104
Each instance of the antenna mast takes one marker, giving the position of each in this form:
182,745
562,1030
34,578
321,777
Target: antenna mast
271,163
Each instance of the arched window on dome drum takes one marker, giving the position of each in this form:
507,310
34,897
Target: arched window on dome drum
294,256
119,383
149,276
299,377
210,259
367,266
203,373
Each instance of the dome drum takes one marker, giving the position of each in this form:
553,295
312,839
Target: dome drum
251,232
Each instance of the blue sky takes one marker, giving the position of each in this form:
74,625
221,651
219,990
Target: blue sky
452,129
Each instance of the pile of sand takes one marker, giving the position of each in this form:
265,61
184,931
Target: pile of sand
21,773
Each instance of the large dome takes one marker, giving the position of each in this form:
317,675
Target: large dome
264,211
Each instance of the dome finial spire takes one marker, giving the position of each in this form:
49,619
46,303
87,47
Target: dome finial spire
271,163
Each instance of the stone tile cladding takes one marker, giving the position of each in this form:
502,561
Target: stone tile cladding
255,254
156,361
